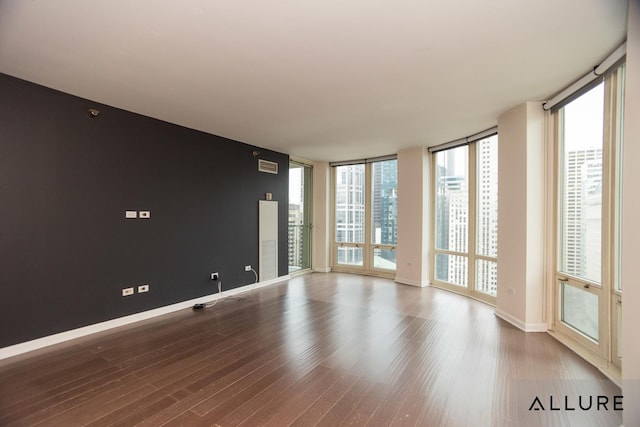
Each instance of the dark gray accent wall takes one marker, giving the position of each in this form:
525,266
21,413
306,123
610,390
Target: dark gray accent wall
66,180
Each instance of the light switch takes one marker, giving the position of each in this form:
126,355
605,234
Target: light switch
131,214
145,214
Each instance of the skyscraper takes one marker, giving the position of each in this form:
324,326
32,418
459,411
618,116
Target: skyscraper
582,213
487,215
385,210
295,237
452,216
350,207
452,200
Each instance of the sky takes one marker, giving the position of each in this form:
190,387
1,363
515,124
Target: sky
295,190
583,120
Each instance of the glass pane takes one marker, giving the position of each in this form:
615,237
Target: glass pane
487,277
384,202
452,199
580,310
349,255
451,269
299,217
581,186
384,258
618,337
487,197
350,204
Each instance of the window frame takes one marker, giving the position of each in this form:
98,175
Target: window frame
472,255
307,217
368,246
606,347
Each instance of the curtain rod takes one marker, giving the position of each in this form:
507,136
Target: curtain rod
464,141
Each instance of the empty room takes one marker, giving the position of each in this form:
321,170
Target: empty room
319,213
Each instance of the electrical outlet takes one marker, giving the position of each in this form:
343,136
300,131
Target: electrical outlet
143,289
127,291
247,268
214,276
145,214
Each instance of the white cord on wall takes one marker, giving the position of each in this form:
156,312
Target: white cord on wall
211,304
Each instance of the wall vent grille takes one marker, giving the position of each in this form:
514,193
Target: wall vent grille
268,238
267,166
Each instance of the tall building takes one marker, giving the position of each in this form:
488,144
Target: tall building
452,217
385,210
296,240
487,215
350,207
582,213
296,237
458,202
350,212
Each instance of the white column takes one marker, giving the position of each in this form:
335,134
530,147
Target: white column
413,258
321,231
520,298
631,224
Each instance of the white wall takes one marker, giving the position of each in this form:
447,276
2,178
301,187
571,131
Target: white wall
536,177
413,256
520,298
631,224
321,231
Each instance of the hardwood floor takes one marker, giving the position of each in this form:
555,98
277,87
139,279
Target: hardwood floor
321,349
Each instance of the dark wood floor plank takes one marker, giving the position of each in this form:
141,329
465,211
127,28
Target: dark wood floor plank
162,355
325,401
186,419
237,365
319,349
385,415
242,390
371,400
279,401
140,344
33,384
146,407
232,404
340,411
133,413
194,359
38,402
187,398
40,362
89,408
299,403
244,410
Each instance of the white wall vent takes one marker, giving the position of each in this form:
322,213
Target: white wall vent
268,238
267,166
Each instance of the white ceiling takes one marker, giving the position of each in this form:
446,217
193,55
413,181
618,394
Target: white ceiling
322,80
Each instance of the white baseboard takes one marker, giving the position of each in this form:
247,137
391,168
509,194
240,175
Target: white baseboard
322,269
525,327
25,347
420,284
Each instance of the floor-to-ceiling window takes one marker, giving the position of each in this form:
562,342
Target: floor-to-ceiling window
384,214
365,216
299,216
588,294
465,201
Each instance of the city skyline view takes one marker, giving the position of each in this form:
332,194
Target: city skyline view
351,216
452,206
